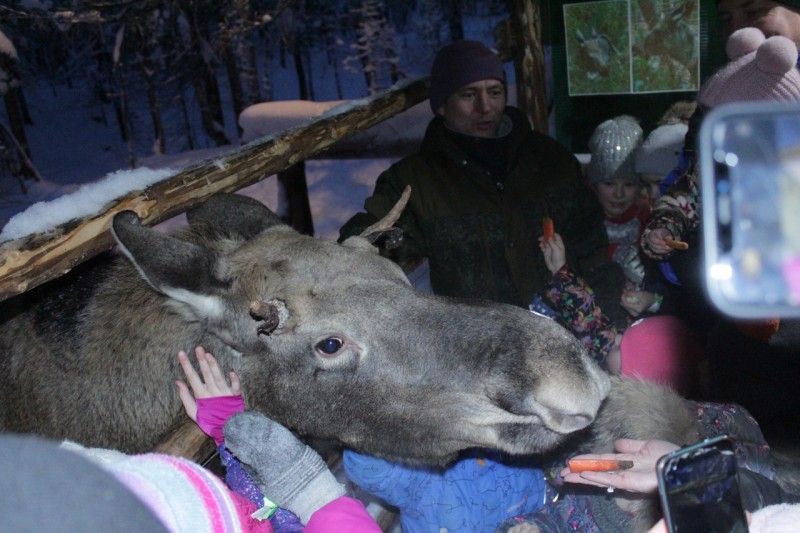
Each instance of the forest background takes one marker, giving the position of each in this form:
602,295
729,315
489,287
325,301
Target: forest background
90,87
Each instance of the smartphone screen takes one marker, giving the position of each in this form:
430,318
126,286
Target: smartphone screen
750,187
699,489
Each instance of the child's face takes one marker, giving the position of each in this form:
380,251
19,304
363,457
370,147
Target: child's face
651,183
617,196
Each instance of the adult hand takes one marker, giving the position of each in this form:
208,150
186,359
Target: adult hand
656,241
641,478
554,251
213,383
637,302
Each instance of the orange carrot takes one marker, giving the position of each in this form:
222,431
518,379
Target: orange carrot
598,465
547,228
677,245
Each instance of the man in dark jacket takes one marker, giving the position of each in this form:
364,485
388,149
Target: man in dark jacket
481,184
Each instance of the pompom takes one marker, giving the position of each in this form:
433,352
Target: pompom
743,42
777,55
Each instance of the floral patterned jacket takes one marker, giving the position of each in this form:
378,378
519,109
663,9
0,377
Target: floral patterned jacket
678,210
573,305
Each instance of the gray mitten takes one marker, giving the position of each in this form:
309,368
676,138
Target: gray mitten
289,473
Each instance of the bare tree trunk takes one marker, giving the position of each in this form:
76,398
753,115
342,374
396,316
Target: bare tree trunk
455,22
122,115
250,73
23,107
295,187
329,50
210,125
301,74
187,122
234,81
16,121
155,110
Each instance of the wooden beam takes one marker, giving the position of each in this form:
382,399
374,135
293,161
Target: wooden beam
525,41
30,261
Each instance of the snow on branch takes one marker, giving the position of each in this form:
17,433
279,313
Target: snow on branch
32,260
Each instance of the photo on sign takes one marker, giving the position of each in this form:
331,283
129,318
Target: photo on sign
632,46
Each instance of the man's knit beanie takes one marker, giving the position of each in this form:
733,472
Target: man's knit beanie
760,69
459,64
613,145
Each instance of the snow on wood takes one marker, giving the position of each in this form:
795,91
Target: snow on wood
30,261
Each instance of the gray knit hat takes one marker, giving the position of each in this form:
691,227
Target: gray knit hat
660,151
459,64
613,145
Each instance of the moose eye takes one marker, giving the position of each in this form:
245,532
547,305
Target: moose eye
329,346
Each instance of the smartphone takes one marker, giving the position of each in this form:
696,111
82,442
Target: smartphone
750,193
699,489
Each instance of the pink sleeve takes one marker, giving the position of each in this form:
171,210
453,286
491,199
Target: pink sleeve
212,413
342,514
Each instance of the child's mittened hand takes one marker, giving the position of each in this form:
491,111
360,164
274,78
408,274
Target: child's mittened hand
288,472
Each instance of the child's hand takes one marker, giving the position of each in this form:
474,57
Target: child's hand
212,385
656,241
554,252
637,302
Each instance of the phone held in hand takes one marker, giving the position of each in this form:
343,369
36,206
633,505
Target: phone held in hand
699,489
750,192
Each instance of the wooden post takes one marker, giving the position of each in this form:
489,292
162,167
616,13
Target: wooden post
524,39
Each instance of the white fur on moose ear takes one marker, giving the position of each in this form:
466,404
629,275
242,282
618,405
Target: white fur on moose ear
199,305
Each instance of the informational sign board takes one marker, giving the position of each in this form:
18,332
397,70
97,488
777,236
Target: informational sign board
632,46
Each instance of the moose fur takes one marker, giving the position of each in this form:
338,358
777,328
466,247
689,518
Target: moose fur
330,340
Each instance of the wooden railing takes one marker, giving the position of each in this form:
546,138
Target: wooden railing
30,261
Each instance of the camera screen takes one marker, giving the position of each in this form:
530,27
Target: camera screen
754,184
703,494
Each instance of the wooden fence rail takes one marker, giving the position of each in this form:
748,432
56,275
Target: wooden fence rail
30,261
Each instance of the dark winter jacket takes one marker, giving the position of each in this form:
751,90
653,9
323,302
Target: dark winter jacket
478,229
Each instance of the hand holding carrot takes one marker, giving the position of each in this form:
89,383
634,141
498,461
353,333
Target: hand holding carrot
656,241
554,252
640,477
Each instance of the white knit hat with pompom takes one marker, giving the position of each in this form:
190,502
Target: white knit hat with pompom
760,69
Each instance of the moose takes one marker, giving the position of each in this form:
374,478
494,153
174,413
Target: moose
330,339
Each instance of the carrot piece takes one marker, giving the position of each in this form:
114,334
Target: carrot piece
598,465
548,230
677,245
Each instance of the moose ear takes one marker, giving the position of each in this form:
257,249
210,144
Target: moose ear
173,267
233,215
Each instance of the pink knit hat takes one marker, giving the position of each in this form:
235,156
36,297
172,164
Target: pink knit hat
760,69
661,349
183,495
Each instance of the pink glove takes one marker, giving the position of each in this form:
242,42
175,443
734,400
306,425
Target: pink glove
212,413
